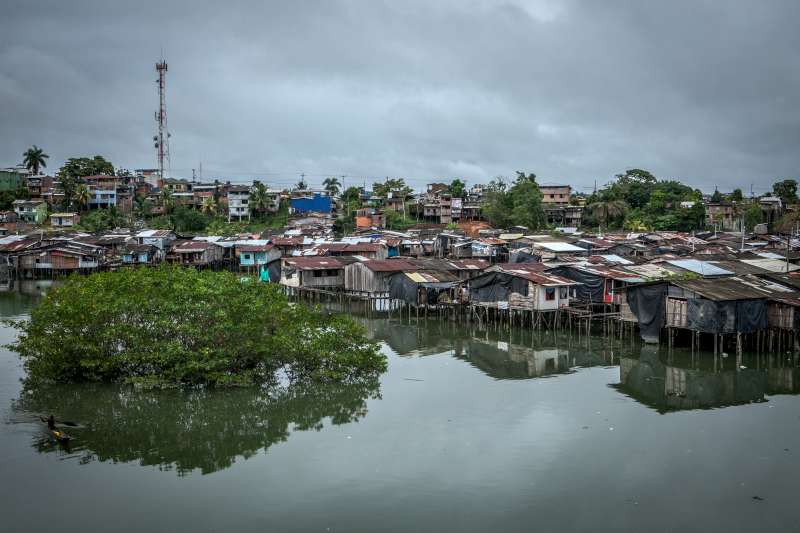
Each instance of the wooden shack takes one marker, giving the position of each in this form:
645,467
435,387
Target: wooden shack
371,278
313,272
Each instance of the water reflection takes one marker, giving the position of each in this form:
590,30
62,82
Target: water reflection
186,430
676,381
499,353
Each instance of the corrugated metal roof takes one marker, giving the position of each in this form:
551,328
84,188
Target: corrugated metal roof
390,265
314,263
613,258
728,289
556,246
772,265
704,268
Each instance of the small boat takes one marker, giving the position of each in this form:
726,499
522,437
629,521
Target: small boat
57,434
60,436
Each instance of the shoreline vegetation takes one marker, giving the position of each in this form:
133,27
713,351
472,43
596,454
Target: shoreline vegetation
172,326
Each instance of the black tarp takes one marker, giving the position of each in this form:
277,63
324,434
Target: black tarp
495,287
592,285
647,304
524,257
743,316
401,287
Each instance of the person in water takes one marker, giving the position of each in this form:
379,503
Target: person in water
51,422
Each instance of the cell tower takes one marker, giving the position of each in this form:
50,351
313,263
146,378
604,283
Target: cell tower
162,139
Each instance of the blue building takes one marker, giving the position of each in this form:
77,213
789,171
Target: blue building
312,202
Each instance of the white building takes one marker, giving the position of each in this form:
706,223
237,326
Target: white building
238,202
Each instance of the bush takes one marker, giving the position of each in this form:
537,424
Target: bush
173,325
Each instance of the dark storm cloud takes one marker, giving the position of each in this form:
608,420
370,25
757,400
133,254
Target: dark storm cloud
576,91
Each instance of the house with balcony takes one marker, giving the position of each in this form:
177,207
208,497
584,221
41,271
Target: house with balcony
33,211
238,202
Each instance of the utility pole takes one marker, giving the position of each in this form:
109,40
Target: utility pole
162,138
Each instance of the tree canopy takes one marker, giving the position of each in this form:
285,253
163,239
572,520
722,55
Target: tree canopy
457,188
174,325
393,185
518,205
34,158
638,200
786,190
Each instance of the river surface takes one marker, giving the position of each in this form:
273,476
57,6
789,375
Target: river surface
469,430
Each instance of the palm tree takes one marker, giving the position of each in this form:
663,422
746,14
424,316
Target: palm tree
209,205
34,158
606,210
167,200
332,185
258,198
82,196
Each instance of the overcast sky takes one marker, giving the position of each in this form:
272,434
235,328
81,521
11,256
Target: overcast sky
575,91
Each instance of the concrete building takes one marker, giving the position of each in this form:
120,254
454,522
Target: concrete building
555,194
238,202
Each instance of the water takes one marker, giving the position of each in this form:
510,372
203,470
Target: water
467,431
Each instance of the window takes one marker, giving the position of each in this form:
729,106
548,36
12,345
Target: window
562,293
318,273
550,293
246,257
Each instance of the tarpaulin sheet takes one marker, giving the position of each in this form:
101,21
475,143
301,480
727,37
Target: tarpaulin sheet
524,257
401,287
592,287
496,286
647,304
744,316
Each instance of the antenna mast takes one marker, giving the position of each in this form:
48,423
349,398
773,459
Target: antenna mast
162,139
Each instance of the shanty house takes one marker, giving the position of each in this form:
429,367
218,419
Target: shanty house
139,254
598,284
60,256
373,276
160,238
526,286
424,287
255,253
317,272
195,253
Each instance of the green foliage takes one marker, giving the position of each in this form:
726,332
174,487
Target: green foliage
217,427
352,195
186,219
752,216
717,196
258,199
457,189
636,199
519,205
395,185
498,204
34,158
331,185
786,190
80,167
397,221
74,169
101,220
183,326
7,197
736,195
